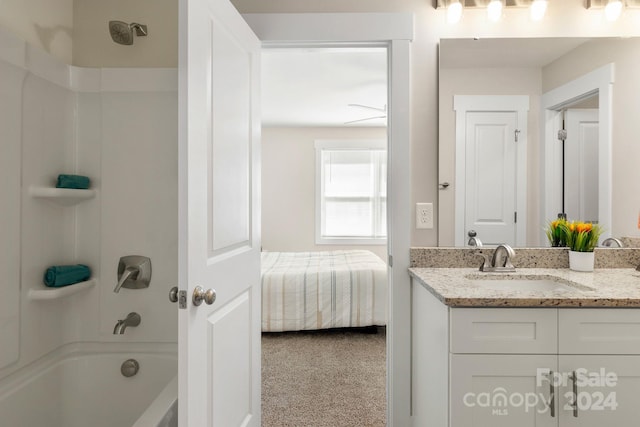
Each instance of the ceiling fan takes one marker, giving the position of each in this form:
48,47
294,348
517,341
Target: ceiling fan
381,110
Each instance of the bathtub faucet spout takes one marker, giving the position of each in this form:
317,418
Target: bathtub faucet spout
133,319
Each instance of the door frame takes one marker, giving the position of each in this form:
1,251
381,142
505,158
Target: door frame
463,104
395,32
598,81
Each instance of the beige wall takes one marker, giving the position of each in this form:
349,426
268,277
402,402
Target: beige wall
93,47
47,24
487,81
625,53
564,18
92,44
288,186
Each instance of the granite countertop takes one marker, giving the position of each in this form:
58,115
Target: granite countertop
611,287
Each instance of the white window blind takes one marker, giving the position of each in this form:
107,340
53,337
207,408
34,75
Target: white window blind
351,199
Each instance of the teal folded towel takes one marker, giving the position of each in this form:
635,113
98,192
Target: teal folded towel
73,181
63,275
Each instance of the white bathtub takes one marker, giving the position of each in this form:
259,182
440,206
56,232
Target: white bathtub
81,385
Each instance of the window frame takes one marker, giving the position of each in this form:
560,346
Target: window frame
335,145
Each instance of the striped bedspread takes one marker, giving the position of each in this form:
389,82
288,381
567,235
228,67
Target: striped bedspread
320,290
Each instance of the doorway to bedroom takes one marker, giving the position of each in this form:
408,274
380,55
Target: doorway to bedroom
324,235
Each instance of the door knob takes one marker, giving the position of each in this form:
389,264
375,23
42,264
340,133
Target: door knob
173,294
199,295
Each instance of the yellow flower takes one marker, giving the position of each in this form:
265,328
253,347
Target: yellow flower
577,235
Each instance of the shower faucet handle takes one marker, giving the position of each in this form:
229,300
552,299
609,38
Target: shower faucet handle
134,272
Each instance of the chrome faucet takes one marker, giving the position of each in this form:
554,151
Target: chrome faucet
133,319
610,241
505,265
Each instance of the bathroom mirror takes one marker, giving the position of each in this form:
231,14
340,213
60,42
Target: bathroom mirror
549,79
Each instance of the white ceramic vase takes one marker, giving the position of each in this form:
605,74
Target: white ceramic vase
581,261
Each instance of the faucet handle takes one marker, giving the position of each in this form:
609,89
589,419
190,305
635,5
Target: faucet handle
485,260
134,272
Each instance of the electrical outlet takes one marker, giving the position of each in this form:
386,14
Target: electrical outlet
424,215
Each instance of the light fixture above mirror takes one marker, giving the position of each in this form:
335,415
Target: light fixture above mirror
494,8
613,9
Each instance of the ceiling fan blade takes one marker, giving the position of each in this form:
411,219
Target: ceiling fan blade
384,109
368,118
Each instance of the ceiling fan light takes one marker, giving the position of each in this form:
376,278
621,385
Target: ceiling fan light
494,10
613,10
538,9
454,12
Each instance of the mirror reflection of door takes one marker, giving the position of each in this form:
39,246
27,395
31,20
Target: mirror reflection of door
491,168
581,164
490,204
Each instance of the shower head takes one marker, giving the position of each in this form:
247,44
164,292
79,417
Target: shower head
122,33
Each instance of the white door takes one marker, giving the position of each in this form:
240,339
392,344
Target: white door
219,344
491,155
581,164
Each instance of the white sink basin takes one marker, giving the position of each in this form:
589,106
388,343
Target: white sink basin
525,283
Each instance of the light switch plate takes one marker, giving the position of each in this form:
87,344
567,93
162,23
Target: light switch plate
424,215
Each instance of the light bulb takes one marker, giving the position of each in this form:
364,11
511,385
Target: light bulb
454,12
613,9
538,9
494,10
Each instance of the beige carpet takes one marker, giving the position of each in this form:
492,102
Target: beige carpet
324,378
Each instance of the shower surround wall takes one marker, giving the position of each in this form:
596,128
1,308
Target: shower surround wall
118,126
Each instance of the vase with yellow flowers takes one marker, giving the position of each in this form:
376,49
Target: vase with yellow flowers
580,237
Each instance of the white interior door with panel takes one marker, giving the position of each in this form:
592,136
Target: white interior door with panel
219,268
490,199
581,164
491,169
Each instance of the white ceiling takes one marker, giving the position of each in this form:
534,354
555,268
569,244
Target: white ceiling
313,86
504,52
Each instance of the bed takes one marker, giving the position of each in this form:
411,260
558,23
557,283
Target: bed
321,290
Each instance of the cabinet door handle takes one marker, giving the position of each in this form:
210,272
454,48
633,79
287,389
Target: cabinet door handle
574,380
552,394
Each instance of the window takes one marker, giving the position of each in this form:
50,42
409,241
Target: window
351,192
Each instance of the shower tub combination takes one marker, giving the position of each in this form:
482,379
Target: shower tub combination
82,385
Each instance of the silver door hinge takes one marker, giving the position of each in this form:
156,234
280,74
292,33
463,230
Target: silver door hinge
517,133
390,261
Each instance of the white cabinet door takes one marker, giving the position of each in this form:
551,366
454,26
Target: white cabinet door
608,391
502,391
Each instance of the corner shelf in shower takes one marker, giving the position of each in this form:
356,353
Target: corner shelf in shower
62,196
45,293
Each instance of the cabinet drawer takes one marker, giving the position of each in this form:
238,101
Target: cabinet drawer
504,330
599,331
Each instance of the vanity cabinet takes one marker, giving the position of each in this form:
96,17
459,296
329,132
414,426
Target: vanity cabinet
523,366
